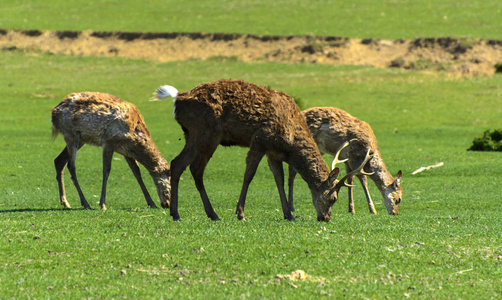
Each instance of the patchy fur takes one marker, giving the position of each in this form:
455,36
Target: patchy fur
235,112
331,127
105,120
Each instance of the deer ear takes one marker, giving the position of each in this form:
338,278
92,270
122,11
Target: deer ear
399,177
333,175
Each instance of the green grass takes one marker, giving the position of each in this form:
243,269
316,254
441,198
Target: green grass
360,18
445,243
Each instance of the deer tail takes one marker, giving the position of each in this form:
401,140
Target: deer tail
163,92
55,131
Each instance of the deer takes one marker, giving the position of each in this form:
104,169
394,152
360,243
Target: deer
268,122
331,128
104,120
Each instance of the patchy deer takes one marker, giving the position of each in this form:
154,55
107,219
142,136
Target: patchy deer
105,120
331,128
268,122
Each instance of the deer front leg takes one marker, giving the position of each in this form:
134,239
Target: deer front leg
291,183
60,163
350,181
278,171
197,169
252,161
178,166
72,148
137,174
350,188
107,167
364,182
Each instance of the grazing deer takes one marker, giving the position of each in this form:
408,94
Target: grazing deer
231,112
105,120
331,127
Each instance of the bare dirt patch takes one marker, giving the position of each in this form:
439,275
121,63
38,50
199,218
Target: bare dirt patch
457,56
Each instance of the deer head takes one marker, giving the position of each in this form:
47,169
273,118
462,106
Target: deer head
393,194
328,194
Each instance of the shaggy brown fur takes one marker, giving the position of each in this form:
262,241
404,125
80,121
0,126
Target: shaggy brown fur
331,127
232,112
105,120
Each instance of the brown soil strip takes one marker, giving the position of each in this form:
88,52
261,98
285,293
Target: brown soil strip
457,56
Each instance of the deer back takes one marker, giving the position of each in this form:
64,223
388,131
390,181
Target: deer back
240,113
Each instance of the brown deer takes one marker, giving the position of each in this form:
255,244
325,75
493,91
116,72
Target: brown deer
105,120
332,127
232,112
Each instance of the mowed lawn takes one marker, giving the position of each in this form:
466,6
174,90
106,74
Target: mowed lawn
355,19
445,243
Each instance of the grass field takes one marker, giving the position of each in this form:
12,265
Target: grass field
445,243
356,19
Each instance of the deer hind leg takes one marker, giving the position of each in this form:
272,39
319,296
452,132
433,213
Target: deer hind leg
253,159
278,171
178,166
364,182
137,174
107,167
197,169
291,183
60,163
72,148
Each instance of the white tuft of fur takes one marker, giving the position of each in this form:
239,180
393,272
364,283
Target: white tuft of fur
163,92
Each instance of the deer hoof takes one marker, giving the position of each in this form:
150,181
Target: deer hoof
290,218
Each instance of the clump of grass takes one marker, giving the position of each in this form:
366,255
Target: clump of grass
498,68
490,141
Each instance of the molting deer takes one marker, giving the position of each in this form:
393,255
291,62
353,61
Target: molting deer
104,120
231,112
331,127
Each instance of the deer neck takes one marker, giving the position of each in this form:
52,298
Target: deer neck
382,177
146,153
308,162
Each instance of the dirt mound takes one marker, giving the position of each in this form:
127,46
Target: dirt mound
458,56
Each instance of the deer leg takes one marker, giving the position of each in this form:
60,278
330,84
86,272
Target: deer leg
252,161
278,171
350,181
137,174
364,182
291,183
178,166
60,163
72,148
107,167
197,168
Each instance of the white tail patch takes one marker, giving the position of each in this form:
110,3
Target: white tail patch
163,92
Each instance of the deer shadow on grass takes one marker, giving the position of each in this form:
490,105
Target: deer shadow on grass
63,209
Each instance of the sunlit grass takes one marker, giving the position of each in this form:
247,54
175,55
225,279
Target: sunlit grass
445,242
356,19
